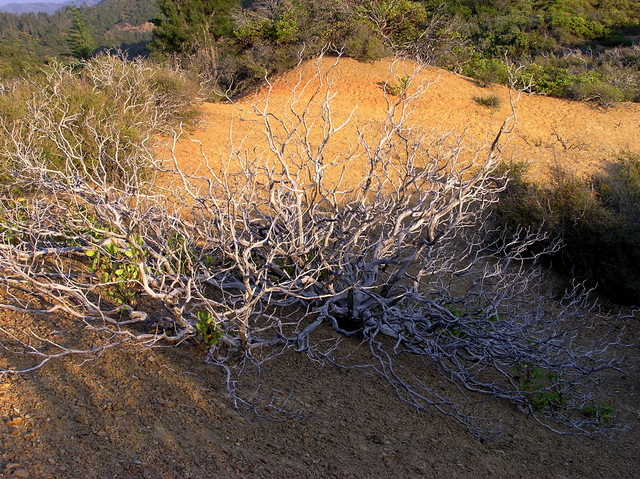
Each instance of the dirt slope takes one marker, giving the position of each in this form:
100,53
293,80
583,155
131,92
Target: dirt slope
548,130
162,413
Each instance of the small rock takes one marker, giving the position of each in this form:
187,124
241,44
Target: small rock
11,465
21,473
80,418
16,421
120,413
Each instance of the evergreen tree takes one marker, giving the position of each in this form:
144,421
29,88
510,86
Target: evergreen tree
81,40
191,26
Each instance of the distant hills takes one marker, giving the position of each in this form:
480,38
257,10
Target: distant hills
12,6
29,39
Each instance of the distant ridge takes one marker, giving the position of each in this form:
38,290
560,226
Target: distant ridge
39,7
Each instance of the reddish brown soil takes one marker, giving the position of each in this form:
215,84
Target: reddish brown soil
162,413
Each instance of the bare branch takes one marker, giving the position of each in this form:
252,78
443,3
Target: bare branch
257,257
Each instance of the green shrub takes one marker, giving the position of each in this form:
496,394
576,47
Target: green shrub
596,219
399,87
601,411
363,44
616,39
595,90
604,78
490,101
487,71
571,25
117,271
619,186
548,80
208,328
95,117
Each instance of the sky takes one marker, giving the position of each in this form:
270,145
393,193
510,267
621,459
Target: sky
5,2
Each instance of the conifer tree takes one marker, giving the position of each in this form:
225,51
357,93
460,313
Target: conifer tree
190,26
81,39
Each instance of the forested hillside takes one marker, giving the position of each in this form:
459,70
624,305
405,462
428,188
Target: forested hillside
11,6
578,49
581,49
29,39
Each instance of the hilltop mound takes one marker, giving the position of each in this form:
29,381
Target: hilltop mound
549,130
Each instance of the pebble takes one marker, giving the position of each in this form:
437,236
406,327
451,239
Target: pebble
120,413
80,418
16,421
21,473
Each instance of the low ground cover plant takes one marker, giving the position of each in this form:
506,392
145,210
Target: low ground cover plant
490,101
602,78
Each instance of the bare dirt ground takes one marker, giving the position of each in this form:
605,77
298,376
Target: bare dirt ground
548,132
162,413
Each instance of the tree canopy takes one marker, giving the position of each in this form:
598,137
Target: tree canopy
191,25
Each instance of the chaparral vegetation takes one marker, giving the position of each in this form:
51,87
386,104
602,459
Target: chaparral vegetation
322,234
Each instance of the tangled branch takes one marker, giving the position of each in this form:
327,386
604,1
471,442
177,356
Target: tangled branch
257,257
